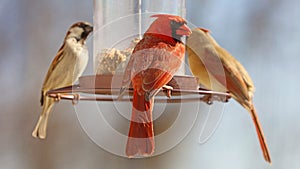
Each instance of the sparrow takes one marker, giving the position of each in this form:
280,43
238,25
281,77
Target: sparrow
153,63
67,66
218,70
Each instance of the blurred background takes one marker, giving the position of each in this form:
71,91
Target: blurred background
263,35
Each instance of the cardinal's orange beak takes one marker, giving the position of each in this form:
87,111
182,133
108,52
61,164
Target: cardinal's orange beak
183,30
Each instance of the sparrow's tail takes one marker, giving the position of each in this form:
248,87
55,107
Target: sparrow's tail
141,136
41,126
260,134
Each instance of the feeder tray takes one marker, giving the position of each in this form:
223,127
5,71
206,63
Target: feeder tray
107,88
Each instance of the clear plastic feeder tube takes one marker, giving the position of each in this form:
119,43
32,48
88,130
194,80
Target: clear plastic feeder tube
118,25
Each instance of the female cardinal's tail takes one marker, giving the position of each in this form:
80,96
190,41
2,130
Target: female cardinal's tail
141,136
260,134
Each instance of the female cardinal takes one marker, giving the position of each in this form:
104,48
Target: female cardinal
154,61
68,64
220,71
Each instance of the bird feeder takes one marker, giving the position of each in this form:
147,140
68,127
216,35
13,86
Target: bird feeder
118,26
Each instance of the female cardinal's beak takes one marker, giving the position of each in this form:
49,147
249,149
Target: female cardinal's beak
183,30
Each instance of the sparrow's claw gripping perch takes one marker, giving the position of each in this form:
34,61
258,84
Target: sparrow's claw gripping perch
167,90
76,98
58,97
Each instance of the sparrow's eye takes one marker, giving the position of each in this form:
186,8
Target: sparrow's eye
82,26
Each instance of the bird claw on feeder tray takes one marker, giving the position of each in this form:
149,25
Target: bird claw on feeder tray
58,97
209,99
167,90
226,99
76,98
67,93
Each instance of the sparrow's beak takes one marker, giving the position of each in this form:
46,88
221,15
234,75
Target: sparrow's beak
88,28
183,30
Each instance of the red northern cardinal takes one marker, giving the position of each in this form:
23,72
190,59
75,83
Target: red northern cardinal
205,57
153,63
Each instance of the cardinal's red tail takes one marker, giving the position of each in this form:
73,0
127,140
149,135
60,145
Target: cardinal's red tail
140,137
